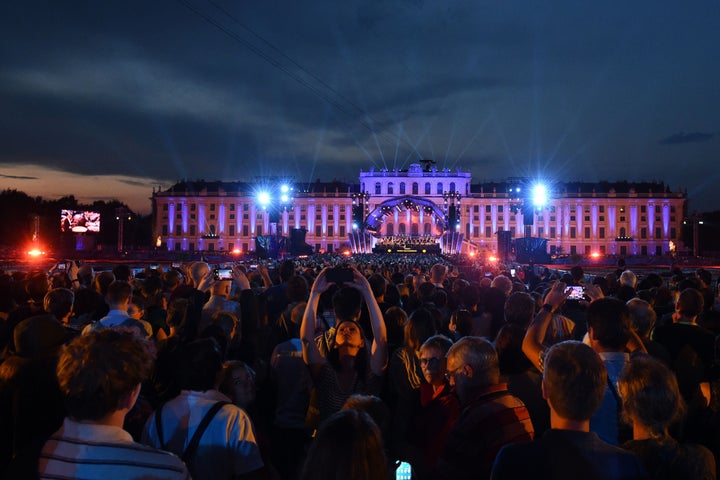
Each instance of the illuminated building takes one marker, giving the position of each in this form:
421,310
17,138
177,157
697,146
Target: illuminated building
620,218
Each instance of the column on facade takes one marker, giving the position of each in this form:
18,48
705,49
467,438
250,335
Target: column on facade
493,218
323,218
348,218
311,218
594,224
336,220
651,226
253,220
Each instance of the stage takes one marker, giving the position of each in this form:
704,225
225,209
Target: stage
409,248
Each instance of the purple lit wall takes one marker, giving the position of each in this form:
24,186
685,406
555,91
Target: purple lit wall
201,219
594,220
171,217
633,221
221,220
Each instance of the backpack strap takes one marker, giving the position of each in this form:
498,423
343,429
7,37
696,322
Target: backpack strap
189,452
158,426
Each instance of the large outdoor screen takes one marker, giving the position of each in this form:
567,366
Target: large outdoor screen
79,221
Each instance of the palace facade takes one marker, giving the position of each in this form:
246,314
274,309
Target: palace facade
618,218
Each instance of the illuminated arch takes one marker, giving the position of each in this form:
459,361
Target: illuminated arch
374,220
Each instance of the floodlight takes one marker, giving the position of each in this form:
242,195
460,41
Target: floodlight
263,198
539,195
284,198
284,188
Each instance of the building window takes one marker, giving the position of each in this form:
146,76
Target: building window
573,234
553,232
587,232
643,209
245,207
192,229
165,207
246,231
500,209
377,188
439,190
488,232
402,188
342,230
192,207
178,232
658,233
165,230
318,231
231,231
212,207
643,232
452,186
487,209
331,231
414,188
587,218
427,188
232,216
622,219
390,188
602,232
602,208
212,216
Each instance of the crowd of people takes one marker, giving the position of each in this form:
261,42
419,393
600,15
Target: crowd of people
398,241
329,367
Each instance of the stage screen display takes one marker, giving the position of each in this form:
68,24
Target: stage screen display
79,221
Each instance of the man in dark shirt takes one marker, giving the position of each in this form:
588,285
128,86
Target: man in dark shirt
573,385
490,418
691,346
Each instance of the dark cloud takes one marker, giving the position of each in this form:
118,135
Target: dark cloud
18,177
682,137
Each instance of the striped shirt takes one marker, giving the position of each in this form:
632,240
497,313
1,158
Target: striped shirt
84,451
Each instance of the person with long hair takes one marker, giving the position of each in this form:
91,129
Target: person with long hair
652,403
349,367
349,446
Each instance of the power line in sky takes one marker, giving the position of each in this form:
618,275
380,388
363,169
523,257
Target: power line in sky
297,72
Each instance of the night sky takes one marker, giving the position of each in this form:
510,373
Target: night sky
108,99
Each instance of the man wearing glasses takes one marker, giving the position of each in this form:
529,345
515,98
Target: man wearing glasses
490,418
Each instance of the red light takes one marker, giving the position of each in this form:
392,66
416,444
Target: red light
492,258
472,254
346,253
236,251
595,255
35,252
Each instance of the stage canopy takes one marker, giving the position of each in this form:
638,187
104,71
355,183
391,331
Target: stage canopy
408,202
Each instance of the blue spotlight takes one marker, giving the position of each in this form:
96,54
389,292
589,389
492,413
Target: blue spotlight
284,188
263,199
539,195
